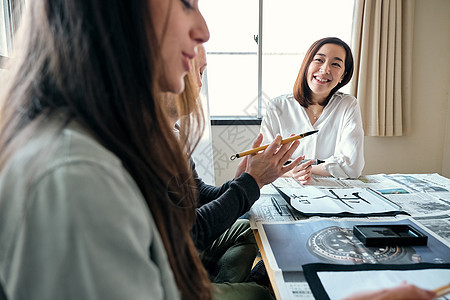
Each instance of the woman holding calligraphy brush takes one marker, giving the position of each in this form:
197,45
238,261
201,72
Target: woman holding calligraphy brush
316,104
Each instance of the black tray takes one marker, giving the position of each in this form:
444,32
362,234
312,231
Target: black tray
389,235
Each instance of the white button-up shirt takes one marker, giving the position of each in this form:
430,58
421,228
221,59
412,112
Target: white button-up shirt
339,142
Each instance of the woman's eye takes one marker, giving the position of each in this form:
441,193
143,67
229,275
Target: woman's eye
337,65
318,59
187,4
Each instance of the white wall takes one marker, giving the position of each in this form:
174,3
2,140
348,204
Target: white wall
229,140
203,153
427,148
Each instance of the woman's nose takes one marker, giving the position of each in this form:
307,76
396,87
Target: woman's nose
201,32
325,68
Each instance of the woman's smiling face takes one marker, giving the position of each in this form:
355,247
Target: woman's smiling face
326,70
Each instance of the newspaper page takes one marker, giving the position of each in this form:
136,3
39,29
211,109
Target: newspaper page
419,195
264,210
372,181
375,182
438,224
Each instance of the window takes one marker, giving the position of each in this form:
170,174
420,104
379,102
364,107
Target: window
240,81
232,72
3,40
10,11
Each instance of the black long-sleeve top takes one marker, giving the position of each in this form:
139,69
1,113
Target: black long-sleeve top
219,207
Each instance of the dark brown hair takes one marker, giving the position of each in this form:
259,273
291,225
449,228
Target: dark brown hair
302,92
98,63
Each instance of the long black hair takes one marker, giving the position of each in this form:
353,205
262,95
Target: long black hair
97,62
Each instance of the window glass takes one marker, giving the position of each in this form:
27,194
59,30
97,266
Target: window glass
3,46
232,72
289,28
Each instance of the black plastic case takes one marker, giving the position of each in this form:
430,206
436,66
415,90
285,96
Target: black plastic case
389,235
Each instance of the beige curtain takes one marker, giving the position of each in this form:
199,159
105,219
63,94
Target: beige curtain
382,44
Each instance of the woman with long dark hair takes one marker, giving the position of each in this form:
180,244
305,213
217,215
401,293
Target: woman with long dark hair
96,197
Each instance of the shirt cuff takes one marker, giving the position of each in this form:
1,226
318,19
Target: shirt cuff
251,186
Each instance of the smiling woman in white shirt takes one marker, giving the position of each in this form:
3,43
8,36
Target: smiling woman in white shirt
316,104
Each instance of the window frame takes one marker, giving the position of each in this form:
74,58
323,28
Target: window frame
249,120
256,119
12,10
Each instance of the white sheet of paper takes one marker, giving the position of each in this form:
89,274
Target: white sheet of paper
339,285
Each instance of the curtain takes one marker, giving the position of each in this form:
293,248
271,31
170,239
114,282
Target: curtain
382,39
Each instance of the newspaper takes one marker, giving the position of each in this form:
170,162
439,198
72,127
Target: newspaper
419,195
438,224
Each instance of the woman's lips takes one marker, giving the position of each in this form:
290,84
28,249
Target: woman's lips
187,61
321,80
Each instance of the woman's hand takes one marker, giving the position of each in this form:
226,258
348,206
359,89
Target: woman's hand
268,165
242,166
303,172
